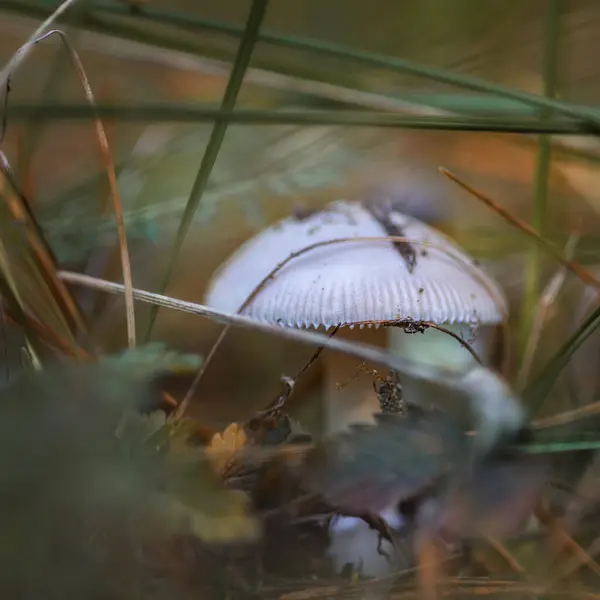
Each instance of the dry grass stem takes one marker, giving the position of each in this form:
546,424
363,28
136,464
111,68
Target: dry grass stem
270,276
363,351
547,299
584,274
110,172
18,57
22,214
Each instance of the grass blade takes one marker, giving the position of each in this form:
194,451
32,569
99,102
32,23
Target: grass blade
18,58
533,268
584,274
369,59
536,393
234,85
196,113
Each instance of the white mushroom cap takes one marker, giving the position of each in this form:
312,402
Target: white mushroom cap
355,282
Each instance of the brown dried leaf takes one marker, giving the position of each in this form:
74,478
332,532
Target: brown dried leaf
224,446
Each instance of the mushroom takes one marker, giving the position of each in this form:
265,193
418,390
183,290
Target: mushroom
362,284
353,285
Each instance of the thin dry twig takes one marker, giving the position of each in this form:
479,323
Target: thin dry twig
574,563
290,382
567,416
392,238
584,274
271,275
505,553
547,299
561,541
183,405
108,165
424,325
363,351
490,399
114,192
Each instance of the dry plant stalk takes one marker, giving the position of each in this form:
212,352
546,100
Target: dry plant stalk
463,264
547,299
560,541
105,153
21,54
584,274
362,351
22,216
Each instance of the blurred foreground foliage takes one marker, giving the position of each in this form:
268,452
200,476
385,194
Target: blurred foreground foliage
87,482
106,493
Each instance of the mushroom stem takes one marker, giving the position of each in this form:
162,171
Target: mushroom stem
349,396
438,348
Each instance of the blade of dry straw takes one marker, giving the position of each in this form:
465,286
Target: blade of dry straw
110,172
584,274
294,255
547,299
362,351
53,293
10,294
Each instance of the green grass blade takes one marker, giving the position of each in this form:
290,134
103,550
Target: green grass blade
533,268
560,447
58,72
185,113
369,59
148,15
538,390
234,85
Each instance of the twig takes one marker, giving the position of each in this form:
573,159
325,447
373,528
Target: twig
547,299
564,540
271,275
363,351
426,325
584,274
496,408
309,363
574,563
458,259
568,416
504,552
178,414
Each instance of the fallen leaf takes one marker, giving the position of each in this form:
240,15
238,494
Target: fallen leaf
224,446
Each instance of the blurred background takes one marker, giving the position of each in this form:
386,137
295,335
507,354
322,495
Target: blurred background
138,54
